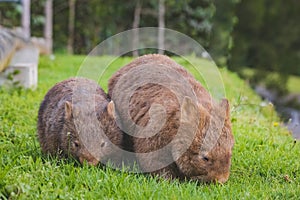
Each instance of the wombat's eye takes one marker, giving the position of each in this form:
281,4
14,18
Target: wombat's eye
76,144
205,158
103,144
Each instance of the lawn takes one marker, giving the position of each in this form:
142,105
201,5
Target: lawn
265,162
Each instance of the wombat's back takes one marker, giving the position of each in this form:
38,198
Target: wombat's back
161,60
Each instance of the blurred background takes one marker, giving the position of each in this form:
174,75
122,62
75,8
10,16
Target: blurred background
258,39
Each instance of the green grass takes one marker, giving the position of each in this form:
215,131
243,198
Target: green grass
265,162
294,84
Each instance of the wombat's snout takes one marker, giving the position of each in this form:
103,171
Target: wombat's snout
219,179
86,156
91,160
222,179
210,178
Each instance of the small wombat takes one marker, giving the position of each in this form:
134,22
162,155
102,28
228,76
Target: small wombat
179,131
76,119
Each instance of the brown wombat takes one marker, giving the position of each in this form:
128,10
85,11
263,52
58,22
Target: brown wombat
76,119
177,130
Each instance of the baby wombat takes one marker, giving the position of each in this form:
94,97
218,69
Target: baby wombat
76,119
175,127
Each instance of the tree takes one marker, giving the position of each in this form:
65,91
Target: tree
48,25
161,26
71,26
136,23
191,17
223,22
26,18
10,14
266,39
102,19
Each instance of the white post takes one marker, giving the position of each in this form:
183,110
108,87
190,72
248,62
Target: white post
26,18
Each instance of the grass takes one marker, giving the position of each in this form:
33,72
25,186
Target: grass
265,162
293,84
293,81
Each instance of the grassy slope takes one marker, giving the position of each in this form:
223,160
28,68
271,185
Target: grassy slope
293,84
265,161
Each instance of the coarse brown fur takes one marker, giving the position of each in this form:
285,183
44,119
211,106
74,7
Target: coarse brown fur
196,163
58,130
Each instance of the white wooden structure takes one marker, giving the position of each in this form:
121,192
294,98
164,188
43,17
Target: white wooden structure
24,64
18,54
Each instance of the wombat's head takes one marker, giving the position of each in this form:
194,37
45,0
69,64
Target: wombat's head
82,136
208,158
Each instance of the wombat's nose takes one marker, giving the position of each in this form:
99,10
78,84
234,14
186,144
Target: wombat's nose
89,159
222,179
93,162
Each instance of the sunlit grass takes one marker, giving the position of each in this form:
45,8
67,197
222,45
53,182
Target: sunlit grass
265,162
294,84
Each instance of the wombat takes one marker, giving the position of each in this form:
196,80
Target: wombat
76,119
175,127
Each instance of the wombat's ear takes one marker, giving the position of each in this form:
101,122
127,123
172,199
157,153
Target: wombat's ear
188,110
225,105
68,110
111,109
